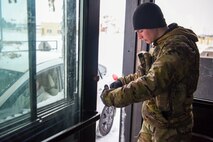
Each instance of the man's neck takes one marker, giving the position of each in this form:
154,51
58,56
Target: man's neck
162,31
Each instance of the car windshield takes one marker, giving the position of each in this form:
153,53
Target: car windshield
7,78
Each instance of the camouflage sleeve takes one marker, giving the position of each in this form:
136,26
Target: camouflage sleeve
157,81
127,79
145,59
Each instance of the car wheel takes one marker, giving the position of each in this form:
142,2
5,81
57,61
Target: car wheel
106,120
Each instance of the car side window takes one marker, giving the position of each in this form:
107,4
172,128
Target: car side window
7,78
49,86
21,99
18,103
49,82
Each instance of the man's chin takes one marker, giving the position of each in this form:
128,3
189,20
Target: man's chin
148,42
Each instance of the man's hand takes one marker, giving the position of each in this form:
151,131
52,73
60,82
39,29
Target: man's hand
116,84
140,70
104,94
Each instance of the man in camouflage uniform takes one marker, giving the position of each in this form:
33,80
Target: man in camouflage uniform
167,88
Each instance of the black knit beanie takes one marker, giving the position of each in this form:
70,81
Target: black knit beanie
148,16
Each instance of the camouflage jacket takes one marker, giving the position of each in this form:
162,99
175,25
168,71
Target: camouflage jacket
167,89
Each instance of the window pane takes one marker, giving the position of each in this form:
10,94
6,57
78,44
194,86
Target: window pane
51,55
49,51
13,59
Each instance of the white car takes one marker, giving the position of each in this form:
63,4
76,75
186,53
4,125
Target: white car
14,90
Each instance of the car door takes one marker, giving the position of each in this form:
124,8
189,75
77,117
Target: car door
49,90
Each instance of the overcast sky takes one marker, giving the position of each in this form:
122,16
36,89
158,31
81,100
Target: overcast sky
195,14
11,11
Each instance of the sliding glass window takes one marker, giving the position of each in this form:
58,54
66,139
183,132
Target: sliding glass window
34,58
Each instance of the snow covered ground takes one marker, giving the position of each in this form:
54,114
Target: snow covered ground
113,135
111,56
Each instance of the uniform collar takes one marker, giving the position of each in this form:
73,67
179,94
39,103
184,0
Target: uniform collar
170,28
